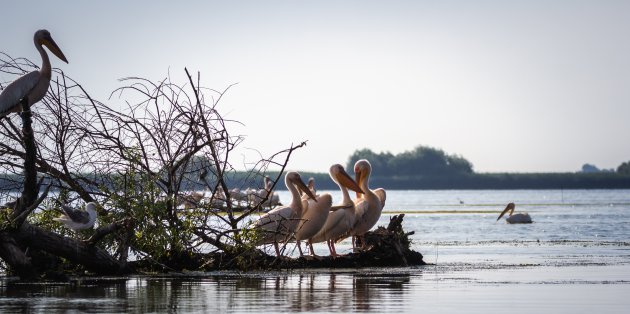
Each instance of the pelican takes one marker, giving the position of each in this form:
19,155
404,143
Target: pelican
518,218
191,200
32,86
342,217
314,216
238,197
272,198
217,199
77,219
311,186
279,224
370,204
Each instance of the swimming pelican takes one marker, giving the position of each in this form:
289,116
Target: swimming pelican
342,217
279,224
519,218
32,86
368,206
77,219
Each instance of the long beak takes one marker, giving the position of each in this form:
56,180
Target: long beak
347,181
302,187
357,176
507,208
52,46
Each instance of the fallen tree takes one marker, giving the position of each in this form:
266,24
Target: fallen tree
138,163
385,247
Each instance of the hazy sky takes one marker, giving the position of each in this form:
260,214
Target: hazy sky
523,86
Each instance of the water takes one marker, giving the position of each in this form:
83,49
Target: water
574,258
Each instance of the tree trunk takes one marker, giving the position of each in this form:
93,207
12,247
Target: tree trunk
76,251
11,253
21,237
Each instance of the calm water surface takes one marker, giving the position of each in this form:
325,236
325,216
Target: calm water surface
574,258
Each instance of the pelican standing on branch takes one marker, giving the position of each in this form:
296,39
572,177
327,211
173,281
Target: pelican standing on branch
369,205
518,218
342,217
32,86
280,223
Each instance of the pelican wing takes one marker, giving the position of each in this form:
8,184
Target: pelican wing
360,208
380,193
76,215
16,90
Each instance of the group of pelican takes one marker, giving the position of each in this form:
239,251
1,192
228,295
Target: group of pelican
241,198
313,218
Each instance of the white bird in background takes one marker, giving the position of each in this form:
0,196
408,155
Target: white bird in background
77,219
32,86
238,197
342,217
518,218
311,187
368,206
279,224
272,198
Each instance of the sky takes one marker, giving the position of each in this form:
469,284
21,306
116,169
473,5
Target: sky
512,86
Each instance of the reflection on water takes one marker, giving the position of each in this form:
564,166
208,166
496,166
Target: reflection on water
262,292
428,289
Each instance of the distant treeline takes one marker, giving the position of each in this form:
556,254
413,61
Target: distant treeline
490,181
604,180
420,168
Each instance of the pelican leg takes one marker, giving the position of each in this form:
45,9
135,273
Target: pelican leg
26,112
331,247
310,245
299,245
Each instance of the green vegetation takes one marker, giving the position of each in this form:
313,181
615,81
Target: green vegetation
421,161
624,168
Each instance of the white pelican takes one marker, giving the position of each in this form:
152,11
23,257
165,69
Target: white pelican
311,185
518,218
272,198
238,197
77,219
191,200
217,199
342,217
370,204
313,218
279,224
32,86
